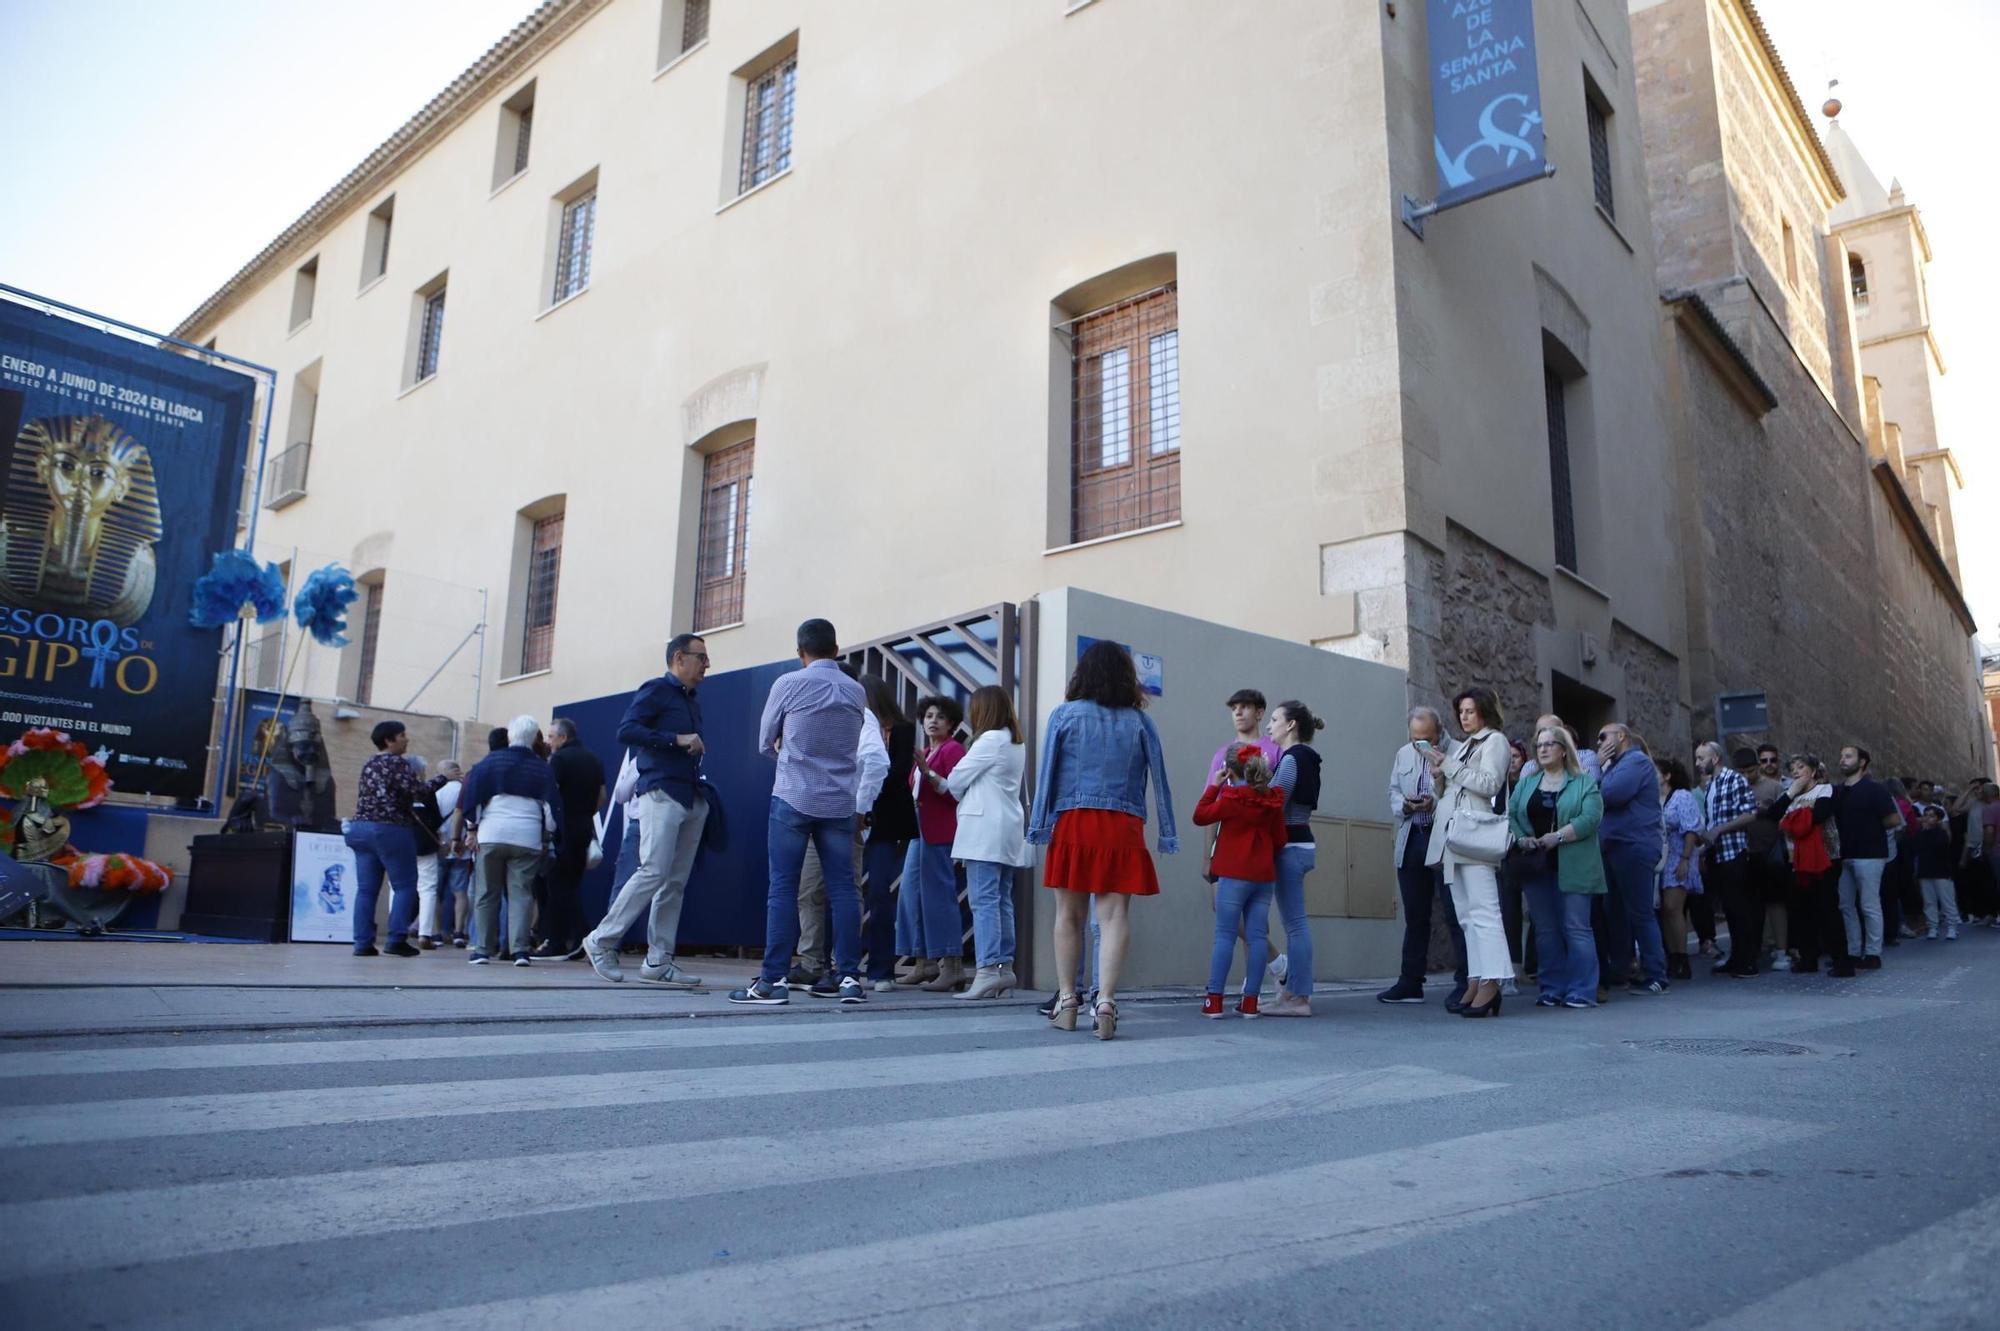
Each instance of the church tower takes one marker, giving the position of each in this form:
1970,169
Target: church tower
1887,254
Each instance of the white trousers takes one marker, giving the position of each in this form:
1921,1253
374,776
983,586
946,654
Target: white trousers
1941,903
427,896
1475,895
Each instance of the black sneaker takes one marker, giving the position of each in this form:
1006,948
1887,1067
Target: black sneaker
1841,972
1871,963
1649,987
801,978
549,950
852,990
366,950
1402,991
1048,1009
401,950
1456,1002
459,940
826,986
761,993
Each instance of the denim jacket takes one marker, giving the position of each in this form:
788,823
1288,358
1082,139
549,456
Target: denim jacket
1098,757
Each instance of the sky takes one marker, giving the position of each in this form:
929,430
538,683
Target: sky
191,132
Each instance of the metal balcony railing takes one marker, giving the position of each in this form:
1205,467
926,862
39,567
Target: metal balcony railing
285,476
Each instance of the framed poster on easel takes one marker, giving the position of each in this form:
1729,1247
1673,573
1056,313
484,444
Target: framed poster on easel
323,889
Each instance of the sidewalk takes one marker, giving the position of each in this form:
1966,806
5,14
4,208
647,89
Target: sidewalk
108,987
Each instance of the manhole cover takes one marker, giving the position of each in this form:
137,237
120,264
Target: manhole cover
1724,1048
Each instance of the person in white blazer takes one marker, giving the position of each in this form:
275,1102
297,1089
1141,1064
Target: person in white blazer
992,836
1412,809
1468,778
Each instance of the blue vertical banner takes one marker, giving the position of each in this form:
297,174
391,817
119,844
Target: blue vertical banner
122,472
1486,102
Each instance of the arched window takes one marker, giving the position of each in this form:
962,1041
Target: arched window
1857,279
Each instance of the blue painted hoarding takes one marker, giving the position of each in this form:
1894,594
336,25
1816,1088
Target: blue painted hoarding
1486,102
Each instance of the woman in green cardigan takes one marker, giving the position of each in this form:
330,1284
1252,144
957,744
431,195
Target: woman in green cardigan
1554,815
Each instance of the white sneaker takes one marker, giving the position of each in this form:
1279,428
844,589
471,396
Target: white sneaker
1510,988
604,963
668,975
886,986
1280,969
1930,935
1951,935
1780,962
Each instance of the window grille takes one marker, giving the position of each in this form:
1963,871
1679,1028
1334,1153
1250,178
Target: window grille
1599,122
694,25
579,230
371,639
538,621
431,337
725,535
767,123
1561,501
1857,277
1126,427
524,131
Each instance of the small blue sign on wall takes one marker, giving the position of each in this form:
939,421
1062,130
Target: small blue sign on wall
1152,669
1486,99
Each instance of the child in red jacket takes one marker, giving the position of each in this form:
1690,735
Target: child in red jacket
1252,828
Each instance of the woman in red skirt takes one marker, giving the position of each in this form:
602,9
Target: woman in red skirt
1090,811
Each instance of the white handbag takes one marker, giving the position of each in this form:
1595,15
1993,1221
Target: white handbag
1474,834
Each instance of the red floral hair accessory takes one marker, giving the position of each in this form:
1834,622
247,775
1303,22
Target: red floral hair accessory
1247,752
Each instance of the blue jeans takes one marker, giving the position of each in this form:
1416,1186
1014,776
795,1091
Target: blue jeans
379,849
1248,906
990,888
1628,912
785,846
927,923
883,860
1564,942
1295,861
455,898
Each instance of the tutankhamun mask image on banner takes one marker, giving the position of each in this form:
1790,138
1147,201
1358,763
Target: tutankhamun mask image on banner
79,520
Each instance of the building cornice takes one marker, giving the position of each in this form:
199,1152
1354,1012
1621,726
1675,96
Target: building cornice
504,61
1908,210
1904,334
1920,536
1695,315
1787,94
1942,454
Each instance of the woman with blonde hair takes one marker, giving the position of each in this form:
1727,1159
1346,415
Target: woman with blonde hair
1553,816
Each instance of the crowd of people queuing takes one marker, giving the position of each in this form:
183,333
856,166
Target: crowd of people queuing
1580,867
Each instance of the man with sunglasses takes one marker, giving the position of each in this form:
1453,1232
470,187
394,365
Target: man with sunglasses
662,727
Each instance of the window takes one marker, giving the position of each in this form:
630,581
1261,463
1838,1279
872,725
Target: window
579,229
1561,495
538,617
1791,244
375,250
371,641
305,287
725,535
767,123
285,471
1597,119
426,332
683,26
517,131
1125,376
1857,279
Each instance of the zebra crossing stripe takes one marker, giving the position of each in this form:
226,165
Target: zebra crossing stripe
159,1224
1078,1266
197,1115
666,1034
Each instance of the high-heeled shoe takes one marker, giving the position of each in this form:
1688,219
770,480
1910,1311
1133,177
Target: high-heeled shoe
1064,1016
1107,1020
1490,1008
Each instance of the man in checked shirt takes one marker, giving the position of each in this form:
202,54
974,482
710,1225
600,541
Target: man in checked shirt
809,724
1732,807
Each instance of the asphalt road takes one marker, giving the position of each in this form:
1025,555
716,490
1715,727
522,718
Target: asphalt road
1786,1152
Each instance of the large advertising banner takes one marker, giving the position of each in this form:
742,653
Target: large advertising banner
1486,101
119,479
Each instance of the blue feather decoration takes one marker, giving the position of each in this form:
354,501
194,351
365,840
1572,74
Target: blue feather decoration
236,588
321,605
